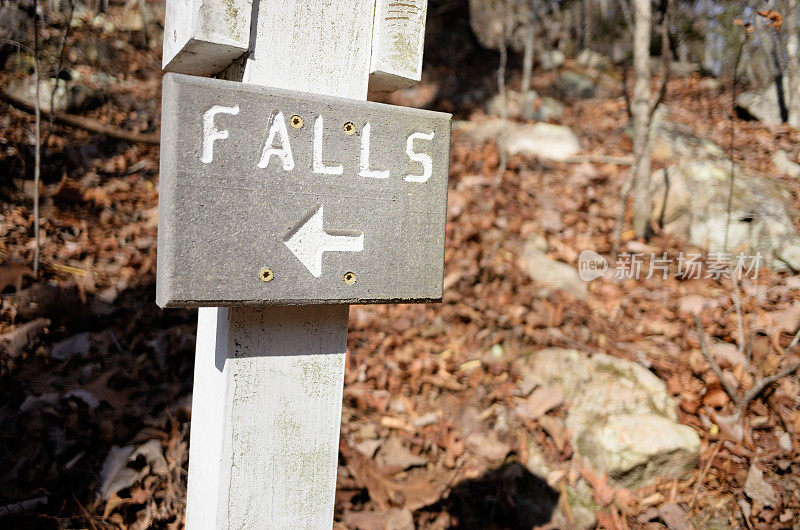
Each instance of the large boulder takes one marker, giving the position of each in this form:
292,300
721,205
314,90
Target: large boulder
785,165
696,209
69,96
572,85
552,59
675,142
762,104
591,59
517,105
542,140
696,181
621,418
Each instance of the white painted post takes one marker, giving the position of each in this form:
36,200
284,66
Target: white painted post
398,37
268,381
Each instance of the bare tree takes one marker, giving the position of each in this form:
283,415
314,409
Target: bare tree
641,114
793,63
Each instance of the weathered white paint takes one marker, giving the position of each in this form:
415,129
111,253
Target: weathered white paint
265,417
277,127
363,161
202,37
210,131
319,165
397,42
309,241
422,158
268,381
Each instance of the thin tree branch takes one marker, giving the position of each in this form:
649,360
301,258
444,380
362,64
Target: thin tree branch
737,302
761,384
714,366
62,48
37,150
82,122
733,134
665,58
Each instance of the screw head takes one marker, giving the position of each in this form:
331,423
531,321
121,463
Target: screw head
349,128
296,121
349,278
266,274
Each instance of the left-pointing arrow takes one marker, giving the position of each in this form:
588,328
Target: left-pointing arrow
308,240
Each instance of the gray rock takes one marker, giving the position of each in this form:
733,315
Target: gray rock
530,107
536,462
696,210
548,109
591,59
628,448
582,505
616,406
517,104
683,68
572,85
677,142
761,104
69,96
789,255
79,344
784,165
552,59
542,140
556,274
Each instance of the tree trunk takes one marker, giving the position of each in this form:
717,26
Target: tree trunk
793,66
641,115
527,61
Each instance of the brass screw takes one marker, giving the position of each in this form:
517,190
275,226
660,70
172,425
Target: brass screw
349,278
266,275
296,121
349,128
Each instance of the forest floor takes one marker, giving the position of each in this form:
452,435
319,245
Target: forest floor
96,371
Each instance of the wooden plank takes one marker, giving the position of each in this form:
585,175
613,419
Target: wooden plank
278,372
398,37
203,37
345,204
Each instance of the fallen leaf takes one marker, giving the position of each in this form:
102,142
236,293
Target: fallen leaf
602,492
366,520
384,492
13,276
716,397
21,338
487,446
541,401
115,474
394,454
556,430
674,517
758,489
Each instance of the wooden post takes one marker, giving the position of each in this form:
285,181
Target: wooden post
268,381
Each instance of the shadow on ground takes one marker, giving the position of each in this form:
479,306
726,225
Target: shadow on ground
509,497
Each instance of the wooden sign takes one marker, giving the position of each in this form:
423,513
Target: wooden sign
270,196
398,37
202,37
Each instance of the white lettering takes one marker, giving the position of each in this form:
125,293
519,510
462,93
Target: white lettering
211,133
423,158
319,165
277,127
364,170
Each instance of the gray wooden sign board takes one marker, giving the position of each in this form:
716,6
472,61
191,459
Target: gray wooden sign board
270,196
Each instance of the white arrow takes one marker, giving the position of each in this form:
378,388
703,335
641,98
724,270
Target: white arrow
309,240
